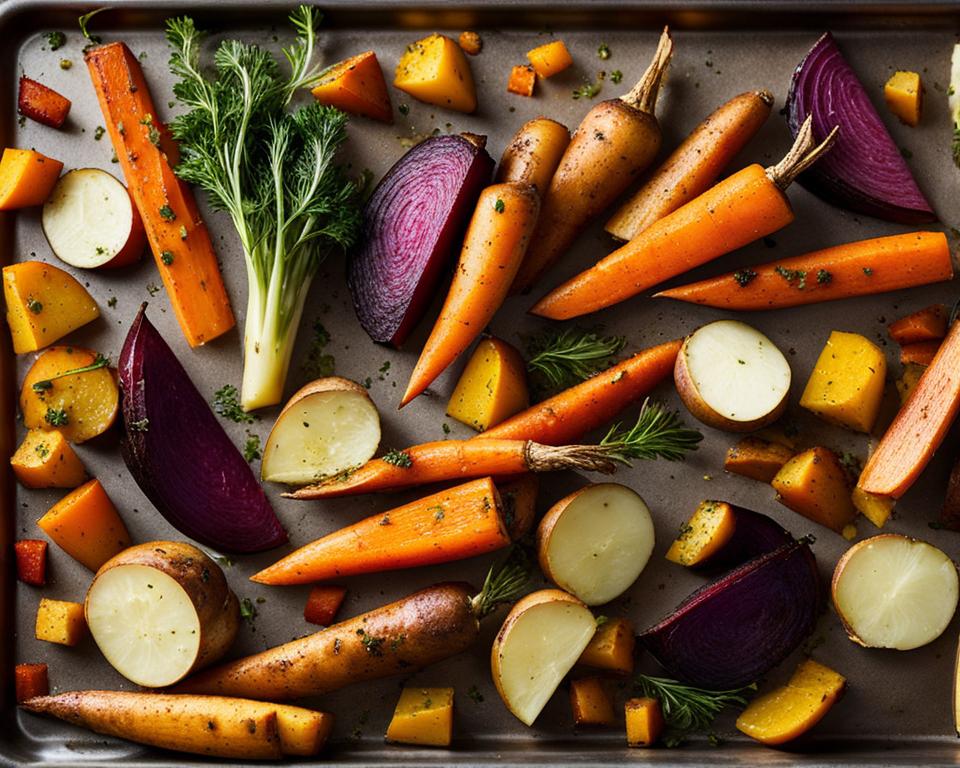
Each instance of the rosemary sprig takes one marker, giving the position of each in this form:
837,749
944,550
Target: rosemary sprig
686,708
657,434
44,384
506,580
571,356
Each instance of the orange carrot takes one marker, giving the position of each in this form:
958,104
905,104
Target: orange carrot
695,165
147,154
31,556
356,85
923,325
323,602
522,80
31,680
740,209
920,352
494,245
450,525
919,427
569,415
40,103
852,269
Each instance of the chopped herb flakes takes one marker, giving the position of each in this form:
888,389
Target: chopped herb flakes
499,206
319,364
372,645
824,277
141,425
167,258
226,402
43,450
56,417
474,693
616,76
248,610
398,459
587,90
796,277
744,277
166,213
34,306
56,40
603,51
251,449
868,271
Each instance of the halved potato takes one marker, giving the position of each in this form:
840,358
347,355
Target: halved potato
732,377
329,426
539,642
595,542
892,591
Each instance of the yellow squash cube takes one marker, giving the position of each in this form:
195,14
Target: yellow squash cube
904,96
423,716
435,70
60,621
591,702
46,460
492,388
44,303
873,507
611,647
814,484
644,722
846,386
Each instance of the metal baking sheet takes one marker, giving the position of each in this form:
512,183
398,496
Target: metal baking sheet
897,710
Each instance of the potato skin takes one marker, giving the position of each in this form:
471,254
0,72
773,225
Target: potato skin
425,627
327,384
203,581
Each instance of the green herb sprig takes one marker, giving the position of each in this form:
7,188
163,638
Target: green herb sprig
43,385
571,356
506,581
226,402
657,434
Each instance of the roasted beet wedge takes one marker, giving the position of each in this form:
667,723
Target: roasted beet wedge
43,104
180,456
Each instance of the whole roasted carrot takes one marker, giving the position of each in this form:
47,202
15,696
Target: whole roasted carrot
617,140
740,209
493,247
695,165
570,414
852,269
919,427
656,434
534,153
453,524
147,154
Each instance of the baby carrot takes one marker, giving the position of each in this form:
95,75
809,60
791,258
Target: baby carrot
453,524
740,209
493,247
694,166
852,269
534,153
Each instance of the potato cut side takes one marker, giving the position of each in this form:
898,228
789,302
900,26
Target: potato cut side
595,543
144,624
730,376
892,591
322,433
540,641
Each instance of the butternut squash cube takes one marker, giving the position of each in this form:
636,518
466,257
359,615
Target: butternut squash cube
793,709
550,58
356,85
644,722
814,484
492,388
591,702
757,459
611,647
710,527
435,70
423,716
904,96
44,303
875,508
846,386
522,81
60,621
26,178
86,526
46,460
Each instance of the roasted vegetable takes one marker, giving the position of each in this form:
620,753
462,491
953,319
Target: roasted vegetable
757,459
356,85
424,716
903,93
46,460
434,70
31,557
60,621
534,153
550,58
492,387
26,178
41,103
814,484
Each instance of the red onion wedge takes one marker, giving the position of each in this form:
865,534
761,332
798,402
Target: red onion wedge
411,225
865,171
180,456
733,630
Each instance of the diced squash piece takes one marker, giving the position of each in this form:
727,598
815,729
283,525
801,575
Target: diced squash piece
86,526
424,716
591,702
80,405
644,722
44,304
323,603
793,709
40,103
436,71
60,621
611,647
46,460
30,680
356,85
814,484
492,388
875,508
921,353
26,178
523,79
471,42
846,386
757,459
908,380
550,58
926,324
31,557
708,529
904,96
